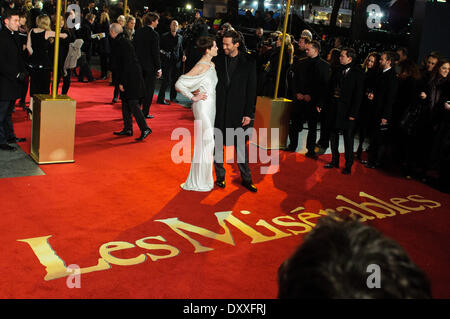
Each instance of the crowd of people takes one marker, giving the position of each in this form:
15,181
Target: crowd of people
380,97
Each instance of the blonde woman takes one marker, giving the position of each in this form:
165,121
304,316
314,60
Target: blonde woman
122,21
129,27
104,48
38,44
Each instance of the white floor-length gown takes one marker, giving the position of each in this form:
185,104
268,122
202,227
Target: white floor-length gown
201,173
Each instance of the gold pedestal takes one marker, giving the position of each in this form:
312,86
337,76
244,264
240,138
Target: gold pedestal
53,129
272,114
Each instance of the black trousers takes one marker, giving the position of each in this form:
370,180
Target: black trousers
170,75
85,69
378,143
242,160
104,64
348,134
66,81
312,118
6,125
325,134
132,107
149,81
295,125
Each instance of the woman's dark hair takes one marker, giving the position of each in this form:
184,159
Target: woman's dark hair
334,57
376,55
435,76
205,43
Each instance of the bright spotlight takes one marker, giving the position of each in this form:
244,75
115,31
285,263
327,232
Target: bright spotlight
188,6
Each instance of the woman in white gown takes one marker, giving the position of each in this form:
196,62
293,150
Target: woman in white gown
203,78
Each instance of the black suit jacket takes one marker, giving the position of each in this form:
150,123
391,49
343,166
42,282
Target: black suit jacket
385,94
317,75
350,87
239,98
146,43
174,52
129,70
11,63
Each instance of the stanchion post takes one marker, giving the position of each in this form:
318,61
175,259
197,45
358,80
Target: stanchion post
280,60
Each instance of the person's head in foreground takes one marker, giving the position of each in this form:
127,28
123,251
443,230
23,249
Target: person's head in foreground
342,258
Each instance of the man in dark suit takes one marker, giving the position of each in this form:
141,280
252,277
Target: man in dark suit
131,83
235,106
346,89
12,74
311,99
146,42
172,56
85,33
384,98
298,84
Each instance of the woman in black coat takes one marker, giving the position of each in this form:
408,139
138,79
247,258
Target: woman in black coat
434,131
370,67
63,51
104,48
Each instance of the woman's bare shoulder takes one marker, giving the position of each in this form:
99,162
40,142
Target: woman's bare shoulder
197,69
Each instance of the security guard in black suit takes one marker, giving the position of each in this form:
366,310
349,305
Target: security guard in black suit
172,55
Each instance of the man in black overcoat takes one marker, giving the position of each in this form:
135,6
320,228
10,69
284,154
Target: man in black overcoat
131,83
346,89
384,97
235,106
312,98
12,74
146,42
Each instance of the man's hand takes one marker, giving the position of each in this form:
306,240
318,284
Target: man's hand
158,74
370,96
246,121
351,118
196,92
307,98
183,59
299,96
121,88
318,109
423,96
383,121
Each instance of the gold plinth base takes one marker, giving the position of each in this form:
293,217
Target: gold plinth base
53,129
272,114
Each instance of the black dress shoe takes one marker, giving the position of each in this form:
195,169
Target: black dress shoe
347,171
220,183
7,147
249,186
114,100
124,133
149,116
331,165
291,149
311,155
163,102
17,140
371,165
144,134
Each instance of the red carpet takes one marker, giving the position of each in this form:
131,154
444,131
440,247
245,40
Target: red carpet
119,190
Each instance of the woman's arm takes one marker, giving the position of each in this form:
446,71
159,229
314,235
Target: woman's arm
29,48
